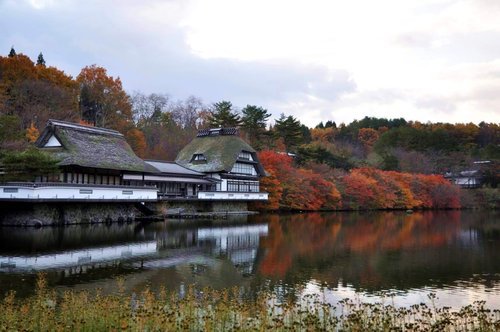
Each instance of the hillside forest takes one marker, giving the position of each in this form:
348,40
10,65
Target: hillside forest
371,163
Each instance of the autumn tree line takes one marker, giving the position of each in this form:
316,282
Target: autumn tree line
369,163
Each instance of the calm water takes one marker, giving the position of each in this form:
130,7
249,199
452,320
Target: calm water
453,254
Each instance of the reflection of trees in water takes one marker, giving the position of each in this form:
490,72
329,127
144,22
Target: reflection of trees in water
369,251
377,250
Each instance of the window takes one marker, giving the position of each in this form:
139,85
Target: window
10,190
241,168
85,191
127,192
245,155
243,186
198,157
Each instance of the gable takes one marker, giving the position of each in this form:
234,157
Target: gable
52,142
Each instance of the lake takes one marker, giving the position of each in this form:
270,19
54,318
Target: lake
374,256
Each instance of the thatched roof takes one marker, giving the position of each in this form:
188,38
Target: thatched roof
220,148
90,147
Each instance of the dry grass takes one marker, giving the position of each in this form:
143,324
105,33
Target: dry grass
209,310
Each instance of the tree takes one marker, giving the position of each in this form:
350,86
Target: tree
290,130
40,61
32,133
12,52
368,137
103,101
36,93
318,154
147,108
254,123
137,141
222,115
10,133
188,113
330,124
28,165
296,188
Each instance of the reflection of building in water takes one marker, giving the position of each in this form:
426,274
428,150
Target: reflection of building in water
158,249
468,237
239,244
74,260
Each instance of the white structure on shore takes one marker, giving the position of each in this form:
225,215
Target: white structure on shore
97,164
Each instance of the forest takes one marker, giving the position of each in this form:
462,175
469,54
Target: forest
371,163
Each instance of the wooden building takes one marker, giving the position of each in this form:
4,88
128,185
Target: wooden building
97,164
225,158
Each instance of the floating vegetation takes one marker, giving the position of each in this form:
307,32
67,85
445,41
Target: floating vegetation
211,310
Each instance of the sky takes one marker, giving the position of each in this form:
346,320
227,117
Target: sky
318,60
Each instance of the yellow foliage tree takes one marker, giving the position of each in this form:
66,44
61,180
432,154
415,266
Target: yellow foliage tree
32,133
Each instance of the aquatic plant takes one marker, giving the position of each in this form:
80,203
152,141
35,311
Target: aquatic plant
226,310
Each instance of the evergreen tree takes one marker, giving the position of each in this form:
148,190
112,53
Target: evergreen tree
28,164
254,122
222,115
40,61
12,52
330,124
290,129
306,134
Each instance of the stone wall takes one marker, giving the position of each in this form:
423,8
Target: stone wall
203,206
51,214
42,214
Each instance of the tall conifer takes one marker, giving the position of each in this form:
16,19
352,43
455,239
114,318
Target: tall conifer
40,61
12,52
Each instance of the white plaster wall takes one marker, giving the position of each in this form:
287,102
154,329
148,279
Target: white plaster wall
219,195
78,193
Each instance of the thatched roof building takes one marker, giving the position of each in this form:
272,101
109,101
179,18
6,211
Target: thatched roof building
216,151
90,147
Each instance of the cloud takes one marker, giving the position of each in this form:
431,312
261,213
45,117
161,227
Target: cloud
427,60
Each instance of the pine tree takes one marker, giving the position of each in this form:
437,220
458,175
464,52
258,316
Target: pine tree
222,115
254,122
290,129
12,52
40,61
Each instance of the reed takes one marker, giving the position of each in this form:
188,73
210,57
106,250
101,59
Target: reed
211,310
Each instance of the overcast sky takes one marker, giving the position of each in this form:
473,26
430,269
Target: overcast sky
425,60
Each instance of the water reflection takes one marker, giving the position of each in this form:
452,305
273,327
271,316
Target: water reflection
453,253
382,251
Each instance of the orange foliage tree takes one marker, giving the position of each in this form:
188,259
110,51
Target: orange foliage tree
32,133
296,188
137,141
368,137
103,101
368,188
36,93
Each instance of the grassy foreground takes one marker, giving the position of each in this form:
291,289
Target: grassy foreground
211,310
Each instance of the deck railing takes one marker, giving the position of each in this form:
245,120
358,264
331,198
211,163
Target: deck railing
68,184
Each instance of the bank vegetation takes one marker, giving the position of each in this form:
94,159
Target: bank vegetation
226,310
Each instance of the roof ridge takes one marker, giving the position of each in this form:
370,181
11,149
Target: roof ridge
228,131
76,126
